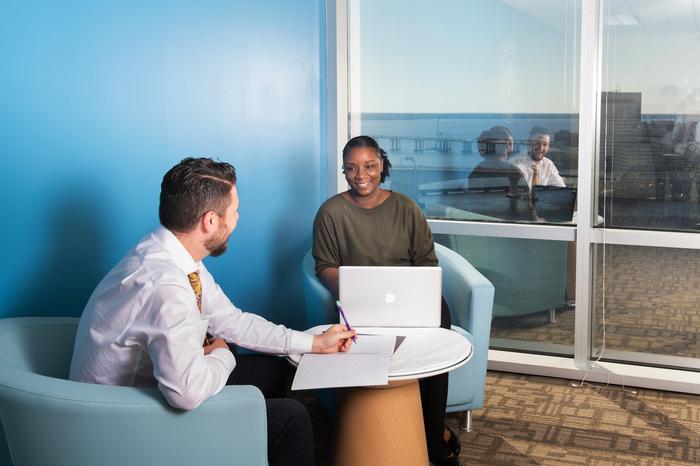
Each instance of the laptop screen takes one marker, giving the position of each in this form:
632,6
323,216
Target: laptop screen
391,296
554,204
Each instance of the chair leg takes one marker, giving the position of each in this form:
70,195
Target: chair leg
466,425
552,316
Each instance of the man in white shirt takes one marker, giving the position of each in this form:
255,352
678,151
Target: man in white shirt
147,321
533,163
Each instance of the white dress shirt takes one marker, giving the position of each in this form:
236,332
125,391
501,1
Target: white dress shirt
141,327
546,170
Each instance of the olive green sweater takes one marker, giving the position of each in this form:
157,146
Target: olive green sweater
393,233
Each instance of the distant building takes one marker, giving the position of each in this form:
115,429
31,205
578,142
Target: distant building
629,171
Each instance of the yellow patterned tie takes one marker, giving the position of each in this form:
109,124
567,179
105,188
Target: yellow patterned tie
196,284
535,175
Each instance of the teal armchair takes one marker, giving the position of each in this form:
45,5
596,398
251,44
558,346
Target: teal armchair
470,298
48,420
507,261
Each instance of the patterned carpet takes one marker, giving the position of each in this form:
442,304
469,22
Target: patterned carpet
536,328
651,298
651,301
528,420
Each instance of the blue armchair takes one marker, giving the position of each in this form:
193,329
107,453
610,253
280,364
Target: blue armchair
470,298
50,420
505,261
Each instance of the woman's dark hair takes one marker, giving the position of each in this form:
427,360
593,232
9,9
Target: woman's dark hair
193,187
366,141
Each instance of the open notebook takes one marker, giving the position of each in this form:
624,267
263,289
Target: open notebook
366,364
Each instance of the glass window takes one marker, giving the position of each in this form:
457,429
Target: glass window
650,107
647,304
534,283
471,98
475,102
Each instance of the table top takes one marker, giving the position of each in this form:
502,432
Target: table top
495,204
423,353
551,205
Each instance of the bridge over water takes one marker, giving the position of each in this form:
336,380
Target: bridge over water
436,143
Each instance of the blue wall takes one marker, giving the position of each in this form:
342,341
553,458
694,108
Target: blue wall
99,99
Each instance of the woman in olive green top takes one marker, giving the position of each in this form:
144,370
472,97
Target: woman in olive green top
368,225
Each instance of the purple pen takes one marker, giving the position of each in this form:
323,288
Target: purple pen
342,314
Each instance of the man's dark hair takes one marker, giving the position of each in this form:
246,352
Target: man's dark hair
539,130
193,187
366,141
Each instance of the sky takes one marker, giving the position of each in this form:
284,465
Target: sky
510,56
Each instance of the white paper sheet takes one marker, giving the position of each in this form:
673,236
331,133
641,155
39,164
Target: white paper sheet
366,364
373,344
341,370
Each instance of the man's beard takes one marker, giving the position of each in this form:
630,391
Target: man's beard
219,250
217,246
536,157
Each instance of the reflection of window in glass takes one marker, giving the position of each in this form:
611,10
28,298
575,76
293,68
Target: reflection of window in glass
649,166
650,297
479,65
534,290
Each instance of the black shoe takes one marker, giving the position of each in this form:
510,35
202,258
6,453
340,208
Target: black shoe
453,442
451,460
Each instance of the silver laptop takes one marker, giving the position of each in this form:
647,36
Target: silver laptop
391,296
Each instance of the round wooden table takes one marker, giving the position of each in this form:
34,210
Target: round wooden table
383,425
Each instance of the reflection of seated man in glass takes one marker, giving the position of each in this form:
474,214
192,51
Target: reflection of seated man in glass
538,169
497,188
495,172
659,133
684,147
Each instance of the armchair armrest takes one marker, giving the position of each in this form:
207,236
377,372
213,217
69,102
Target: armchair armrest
469,296
468,293
79,423
320,303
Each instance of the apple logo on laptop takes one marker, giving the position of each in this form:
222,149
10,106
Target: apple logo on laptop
390,298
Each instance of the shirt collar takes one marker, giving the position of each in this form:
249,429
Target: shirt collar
179,255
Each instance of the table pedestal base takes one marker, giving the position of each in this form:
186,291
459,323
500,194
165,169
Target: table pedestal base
381,426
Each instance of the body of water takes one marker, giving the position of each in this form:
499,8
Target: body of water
428,150
448,148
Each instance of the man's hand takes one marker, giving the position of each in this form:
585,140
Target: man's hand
336,338
214,344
